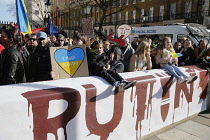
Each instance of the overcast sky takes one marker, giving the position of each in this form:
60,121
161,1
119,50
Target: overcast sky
5,15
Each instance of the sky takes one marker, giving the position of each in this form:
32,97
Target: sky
5,15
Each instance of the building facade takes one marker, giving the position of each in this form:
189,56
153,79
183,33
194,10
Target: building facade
37,13
68,14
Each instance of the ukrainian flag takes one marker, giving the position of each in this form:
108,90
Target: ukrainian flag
22,18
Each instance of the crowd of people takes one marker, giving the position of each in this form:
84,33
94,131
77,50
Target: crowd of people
27,58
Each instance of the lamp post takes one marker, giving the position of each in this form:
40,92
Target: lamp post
145,19
48,8
87,10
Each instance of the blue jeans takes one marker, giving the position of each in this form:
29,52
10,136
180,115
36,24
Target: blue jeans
173,70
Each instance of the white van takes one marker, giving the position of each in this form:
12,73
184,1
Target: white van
194,32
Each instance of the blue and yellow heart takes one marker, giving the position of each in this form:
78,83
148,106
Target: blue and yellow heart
71,60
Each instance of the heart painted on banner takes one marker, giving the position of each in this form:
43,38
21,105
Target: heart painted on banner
69,61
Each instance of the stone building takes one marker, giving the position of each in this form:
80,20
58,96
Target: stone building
68,14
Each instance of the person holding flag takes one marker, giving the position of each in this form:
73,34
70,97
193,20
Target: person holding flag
166,57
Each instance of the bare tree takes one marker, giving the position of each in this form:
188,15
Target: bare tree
12,9
106,6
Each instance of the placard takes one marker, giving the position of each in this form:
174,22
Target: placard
69,61
124,30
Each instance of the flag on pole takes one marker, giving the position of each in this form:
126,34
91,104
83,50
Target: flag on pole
22,18
51,28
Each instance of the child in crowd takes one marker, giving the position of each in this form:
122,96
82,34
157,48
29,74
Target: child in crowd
165,59
99,65
141,59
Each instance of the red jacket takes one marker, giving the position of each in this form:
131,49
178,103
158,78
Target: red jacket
1,48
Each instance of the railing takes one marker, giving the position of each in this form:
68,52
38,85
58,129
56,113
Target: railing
5,24
193,17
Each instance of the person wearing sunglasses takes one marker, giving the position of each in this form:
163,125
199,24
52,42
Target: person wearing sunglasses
39,62
32,43
61,41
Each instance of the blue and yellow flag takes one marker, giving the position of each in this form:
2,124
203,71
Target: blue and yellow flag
22,18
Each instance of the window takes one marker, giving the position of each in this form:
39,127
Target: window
134,16
113,4
126,2
188,6
141,15
205,8
161,13
107,19
93,9
113,18
172,10
119,18
120,3
110,30
142,0
126,17
105,31
151,12
134,1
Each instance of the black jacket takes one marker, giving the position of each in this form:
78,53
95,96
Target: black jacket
40,63
11,67
96,63
116,64
189,57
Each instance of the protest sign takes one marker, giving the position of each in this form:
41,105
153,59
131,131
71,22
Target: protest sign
124,30
69,61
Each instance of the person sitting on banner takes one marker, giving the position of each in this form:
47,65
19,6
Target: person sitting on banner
166,59
99,65
60,42
115,56
12,69
40,62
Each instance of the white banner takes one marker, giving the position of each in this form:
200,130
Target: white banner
86,108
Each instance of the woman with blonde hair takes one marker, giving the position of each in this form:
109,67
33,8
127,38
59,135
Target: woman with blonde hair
141,59
165,59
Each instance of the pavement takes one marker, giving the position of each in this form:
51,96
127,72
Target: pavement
196,127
